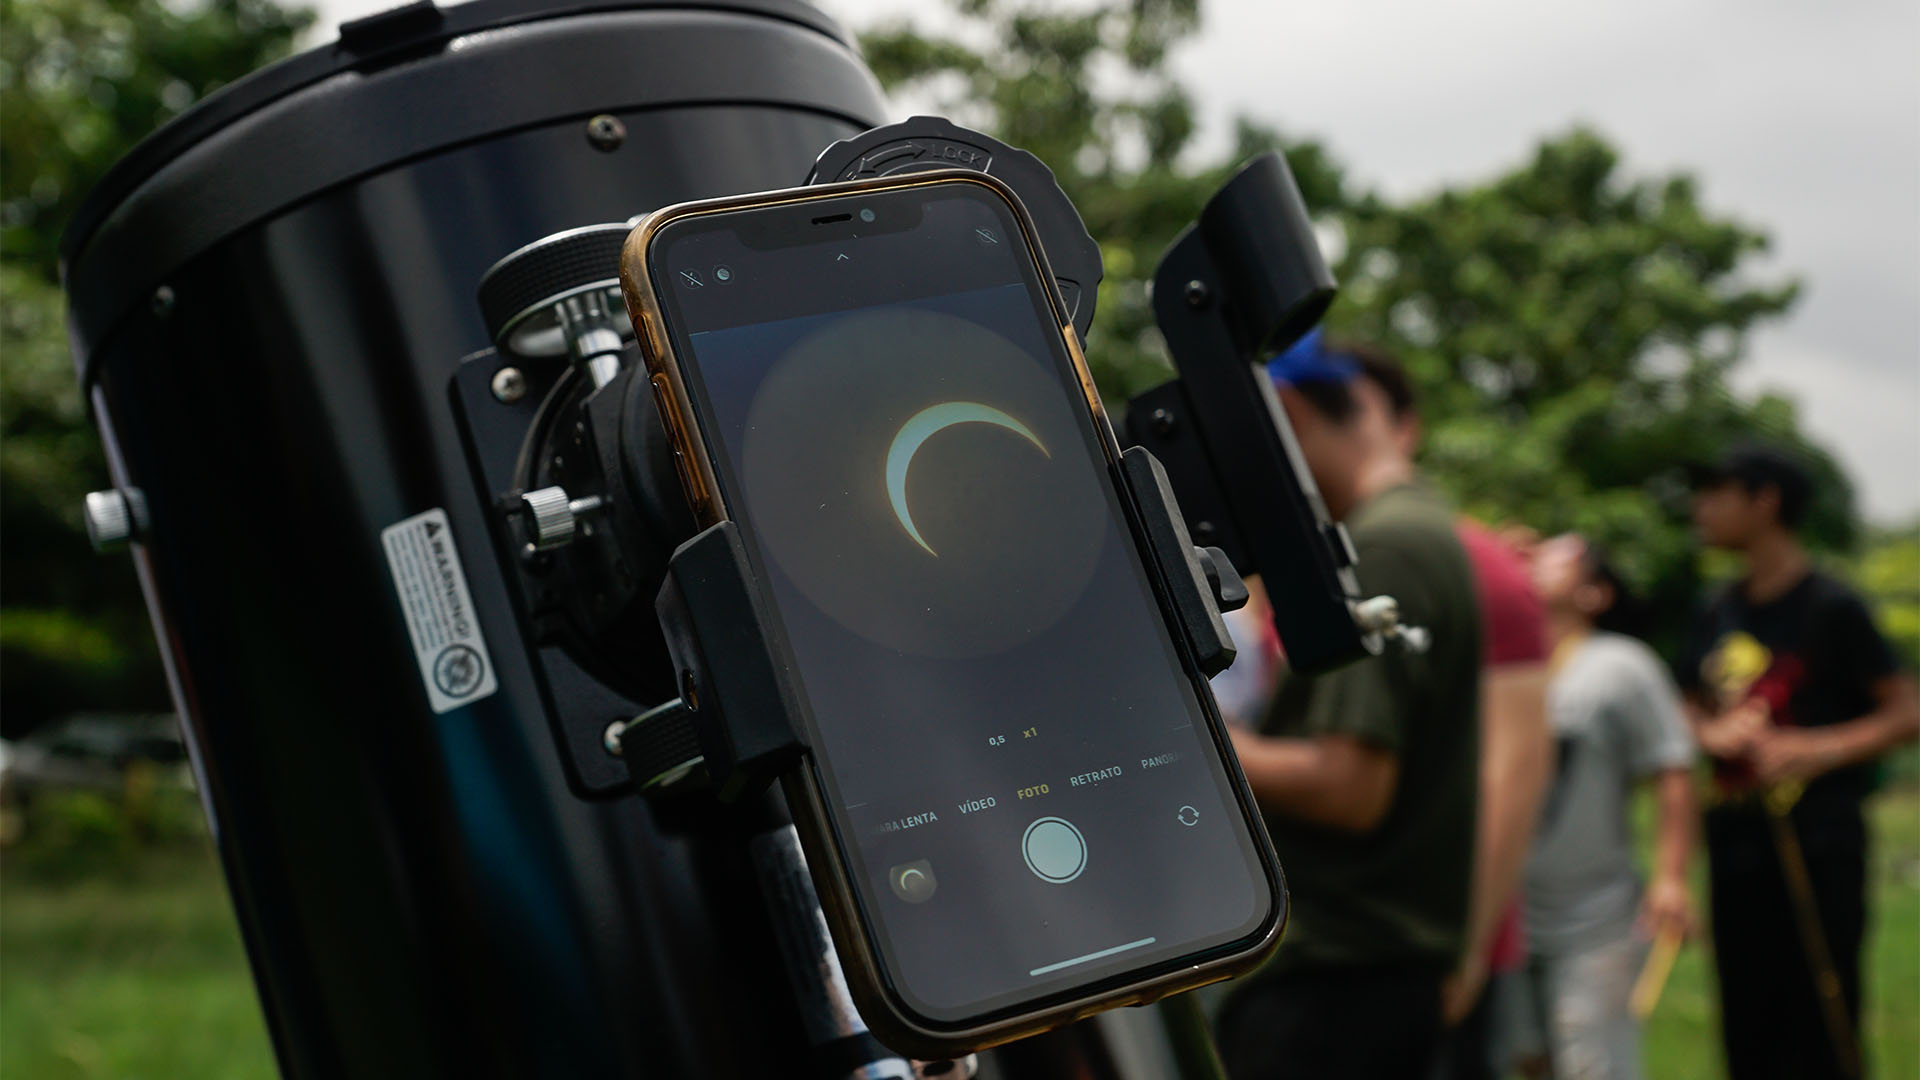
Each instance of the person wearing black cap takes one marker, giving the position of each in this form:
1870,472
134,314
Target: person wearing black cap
1794,694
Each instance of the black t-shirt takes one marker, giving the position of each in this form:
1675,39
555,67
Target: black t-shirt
1812,654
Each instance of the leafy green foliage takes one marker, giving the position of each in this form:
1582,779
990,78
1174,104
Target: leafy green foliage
1571,330
1570,327
80,82
73,633
1085,89
1888,570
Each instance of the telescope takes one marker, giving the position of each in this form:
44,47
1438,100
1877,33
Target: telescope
483,731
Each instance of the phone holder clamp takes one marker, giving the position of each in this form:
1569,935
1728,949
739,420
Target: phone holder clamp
739,717
590,521
1243,282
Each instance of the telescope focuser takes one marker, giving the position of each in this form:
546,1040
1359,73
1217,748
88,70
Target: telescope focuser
560,296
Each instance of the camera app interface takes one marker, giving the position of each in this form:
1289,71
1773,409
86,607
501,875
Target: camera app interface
1018,764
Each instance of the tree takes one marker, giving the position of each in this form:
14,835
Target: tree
80,82
1038,77
1570,328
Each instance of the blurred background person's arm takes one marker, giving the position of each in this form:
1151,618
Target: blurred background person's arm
1784,753
1516,755
1516,752
1669,900
1330,779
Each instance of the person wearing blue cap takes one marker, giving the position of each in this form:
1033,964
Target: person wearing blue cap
1368,775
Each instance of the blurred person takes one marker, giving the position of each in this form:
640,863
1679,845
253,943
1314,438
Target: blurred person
1617,724
1368,774
1516,753
1244,689
1794,694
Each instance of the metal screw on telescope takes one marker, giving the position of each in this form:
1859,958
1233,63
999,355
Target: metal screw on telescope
605,132
509,385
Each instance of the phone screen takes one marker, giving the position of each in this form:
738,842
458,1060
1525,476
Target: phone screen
1020,768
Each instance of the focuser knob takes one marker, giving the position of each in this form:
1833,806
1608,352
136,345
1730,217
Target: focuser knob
555,515
560,296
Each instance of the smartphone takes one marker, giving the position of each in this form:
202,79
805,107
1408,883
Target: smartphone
1020,805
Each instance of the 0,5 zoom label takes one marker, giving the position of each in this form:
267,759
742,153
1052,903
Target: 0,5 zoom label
1033,792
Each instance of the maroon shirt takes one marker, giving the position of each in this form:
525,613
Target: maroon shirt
1514,631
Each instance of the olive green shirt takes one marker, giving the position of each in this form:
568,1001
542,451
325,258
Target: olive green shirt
1396,895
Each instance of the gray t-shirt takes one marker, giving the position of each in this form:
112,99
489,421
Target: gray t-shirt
1616,720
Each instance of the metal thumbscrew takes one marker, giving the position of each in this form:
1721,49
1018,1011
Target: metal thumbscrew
1377,614
555,516
1381,615
1196,293
113,517
606,132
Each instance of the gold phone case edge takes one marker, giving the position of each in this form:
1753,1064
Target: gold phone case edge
884,1014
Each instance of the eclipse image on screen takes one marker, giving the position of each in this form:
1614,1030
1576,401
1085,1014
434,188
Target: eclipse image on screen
1018,760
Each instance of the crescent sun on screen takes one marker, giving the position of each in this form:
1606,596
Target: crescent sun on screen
1021,768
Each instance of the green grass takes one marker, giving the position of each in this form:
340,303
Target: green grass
137,972
1893,994
1682,1039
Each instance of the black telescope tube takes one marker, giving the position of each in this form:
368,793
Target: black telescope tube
269,300
419,892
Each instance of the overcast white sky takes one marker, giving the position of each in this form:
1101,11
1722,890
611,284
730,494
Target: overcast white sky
1802,118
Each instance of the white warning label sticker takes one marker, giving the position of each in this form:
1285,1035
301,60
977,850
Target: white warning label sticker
433,593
